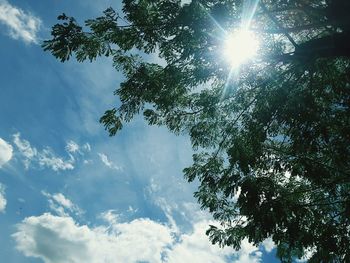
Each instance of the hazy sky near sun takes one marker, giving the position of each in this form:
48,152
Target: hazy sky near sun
68,191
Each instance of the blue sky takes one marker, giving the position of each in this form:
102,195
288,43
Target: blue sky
70,193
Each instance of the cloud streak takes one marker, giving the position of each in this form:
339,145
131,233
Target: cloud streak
108,163
45,158
21,24
61,205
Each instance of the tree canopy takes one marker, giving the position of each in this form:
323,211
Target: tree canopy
271,137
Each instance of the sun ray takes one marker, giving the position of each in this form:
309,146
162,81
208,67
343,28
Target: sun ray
238,46
241,45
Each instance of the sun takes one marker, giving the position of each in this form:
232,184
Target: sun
240,46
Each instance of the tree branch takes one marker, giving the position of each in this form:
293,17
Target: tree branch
262,5
292,29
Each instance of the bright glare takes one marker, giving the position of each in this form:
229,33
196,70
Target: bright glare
240,46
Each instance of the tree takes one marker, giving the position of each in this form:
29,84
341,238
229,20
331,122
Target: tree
271,137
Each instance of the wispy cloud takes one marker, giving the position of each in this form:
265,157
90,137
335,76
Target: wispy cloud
87,147
76,151
61,204
21,24
27,151
5,152
48,159
45,158
3,200
108,163
72,147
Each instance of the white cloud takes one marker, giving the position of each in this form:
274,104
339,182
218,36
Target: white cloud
72,147
5,152
105,160
108,163
22,25
61,199
3,200
61,204
196,248
45,158
57,239
110,217
268,245
131,209
308,253
25,149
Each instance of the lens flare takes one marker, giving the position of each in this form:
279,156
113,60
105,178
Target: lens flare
240,46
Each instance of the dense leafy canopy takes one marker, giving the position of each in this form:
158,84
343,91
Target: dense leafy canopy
271,139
